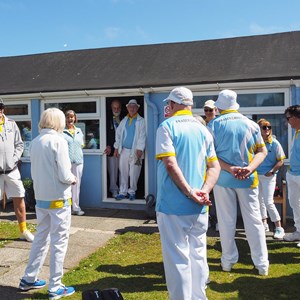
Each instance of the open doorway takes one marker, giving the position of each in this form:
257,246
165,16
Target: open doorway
113,176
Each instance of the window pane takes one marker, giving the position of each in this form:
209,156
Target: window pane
16,109
90,130
247,100
262,99
279,128
200,100
25,130
78,107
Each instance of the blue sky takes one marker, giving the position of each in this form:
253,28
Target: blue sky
40,26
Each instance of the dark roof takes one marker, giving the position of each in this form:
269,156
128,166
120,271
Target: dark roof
253,58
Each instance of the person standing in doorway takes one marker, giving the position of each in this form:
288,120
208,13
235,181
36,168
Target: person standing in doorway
292,115
267,173
11,149
74,136
240,149
112,122
129,146
187,171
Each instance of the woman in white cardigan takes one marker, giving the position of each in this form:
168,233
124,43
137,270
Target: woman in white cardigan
52,180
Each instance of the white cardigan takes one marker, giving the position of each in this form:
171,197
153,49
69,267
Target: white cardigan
51,166
139,141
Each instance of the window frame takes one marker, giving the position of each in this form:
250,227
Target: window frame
20,118
257,109
81,116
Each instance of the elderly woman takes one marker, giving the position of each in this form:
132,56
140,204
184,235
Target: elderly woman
74,137
267,173
52,180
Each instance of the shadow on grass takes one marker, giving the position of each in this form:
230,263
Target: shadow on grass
262,288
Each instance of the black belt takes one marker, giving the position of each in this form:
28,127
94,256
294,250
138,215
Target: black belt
6,172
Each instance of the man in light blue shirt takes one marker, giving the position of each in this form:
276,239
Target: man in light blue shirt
292,114
240,149
187,171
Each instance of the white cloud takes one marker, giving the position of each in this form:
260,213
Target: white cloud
257,29
112,32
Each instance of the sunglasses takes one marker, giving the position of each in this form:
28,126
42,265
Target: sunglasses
208,110
266,127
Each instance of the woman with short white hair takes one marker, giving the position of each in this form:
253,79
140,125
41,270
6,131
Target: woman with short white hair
52,179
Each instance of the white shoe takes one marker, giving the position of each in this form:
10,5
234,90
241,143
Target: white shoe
79,213
27,235
267,229
217,226
279,233
226,267
263,272
291,237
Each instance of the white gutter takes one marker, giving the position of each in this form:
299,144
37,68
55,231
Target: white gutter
141,91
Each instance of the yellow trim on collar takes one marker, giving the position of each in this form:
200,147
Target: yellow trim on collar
227,111
182,112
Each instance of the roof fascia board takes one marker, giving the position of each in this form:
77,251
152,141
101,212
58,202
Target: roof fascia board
141,91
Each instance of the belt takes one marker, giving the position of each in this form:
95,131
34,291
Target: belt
54,204
6,171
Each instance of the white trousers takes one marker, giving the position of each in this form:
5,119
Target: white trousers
52,228
128,169
266,190
76,169
293,185
113,171
226,204
183,240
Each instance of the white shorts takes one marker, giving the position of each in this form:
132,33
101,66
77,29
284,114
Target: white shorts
12,185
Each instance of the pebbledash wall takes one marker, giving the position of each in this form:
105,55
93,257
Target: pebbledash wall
256,100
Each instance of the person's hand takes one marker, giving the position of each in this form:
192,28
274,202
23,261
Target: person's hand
139,153
116,153
241,173
107,150
200,197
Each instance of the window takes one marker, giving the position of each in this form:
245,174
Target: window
257,104
20,112
88,117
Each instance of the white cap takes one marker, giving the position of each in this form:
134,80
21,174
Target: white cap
227,100
209,103
181,95
132,101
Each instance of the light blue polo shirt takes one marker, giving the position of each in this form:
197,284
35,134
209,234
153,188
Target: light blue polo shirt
191,143
275,154
236,139
295,155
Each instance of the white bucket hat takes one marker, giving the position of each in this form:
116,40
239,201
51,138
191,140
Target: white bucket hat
227,100
132,101
181,95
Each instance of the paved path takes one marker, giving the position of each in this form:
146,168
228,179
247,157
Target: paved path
88,233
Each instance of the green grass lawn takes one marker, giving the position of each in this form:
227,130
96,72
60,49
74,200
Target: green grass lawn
133,263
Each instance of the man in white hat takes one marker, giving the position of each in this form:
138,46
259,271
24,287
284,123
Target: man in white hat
240,149
187,171
129,147
210,110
